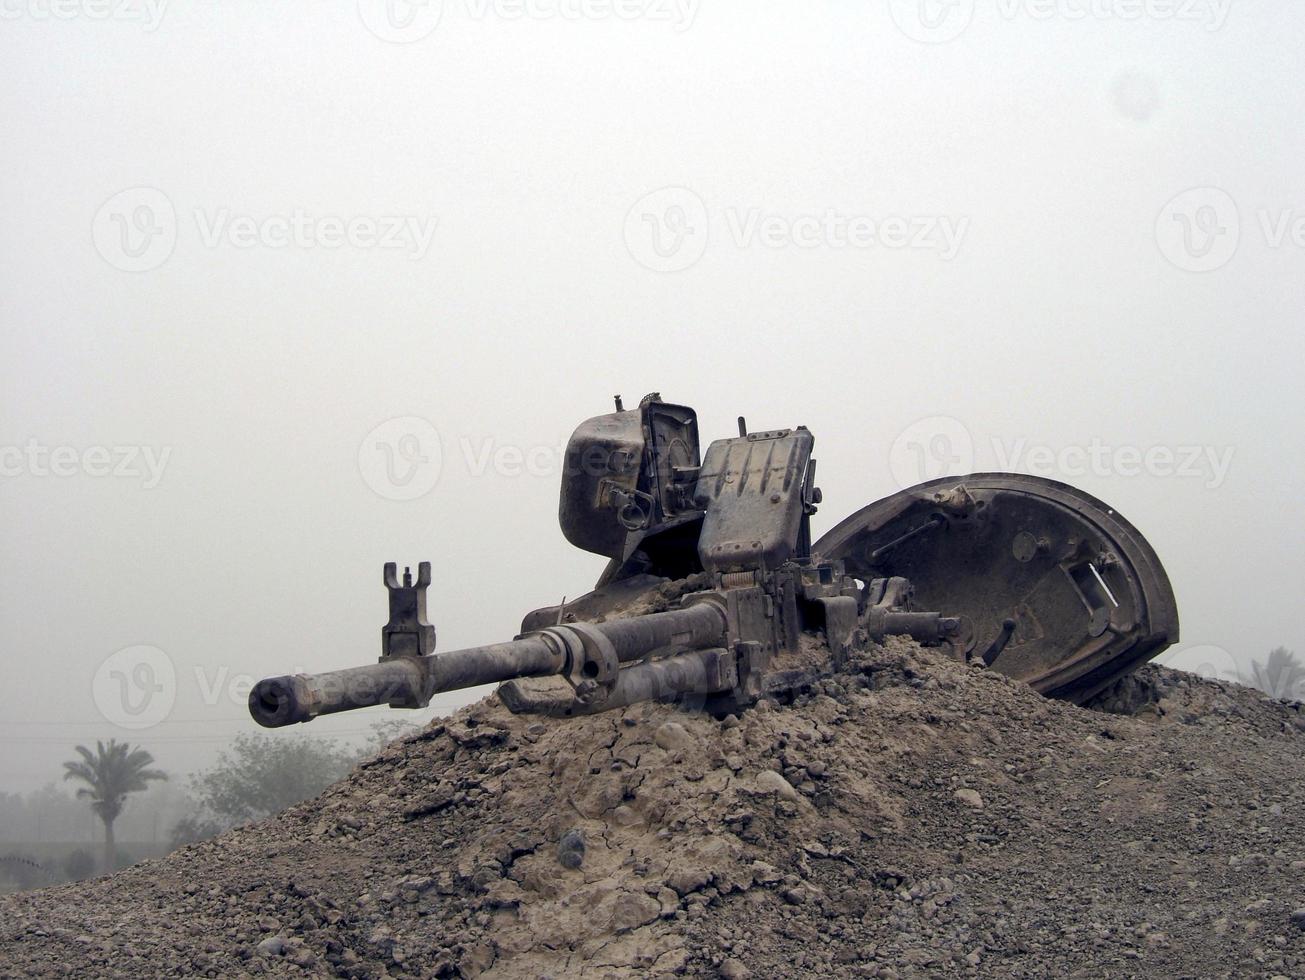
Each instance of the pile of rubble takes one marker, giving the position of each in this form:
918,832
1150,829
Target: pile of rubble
909,817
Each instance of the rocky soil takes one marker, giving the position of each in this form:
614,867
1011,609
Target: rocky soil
911,818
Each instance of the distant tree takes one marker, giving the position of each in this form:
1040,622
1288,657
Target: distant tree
385,732
258,776
79,864
194,827
110,773
1281,676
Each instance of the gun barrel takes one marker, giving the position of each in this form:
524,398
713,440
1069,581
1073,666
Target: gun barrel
411,681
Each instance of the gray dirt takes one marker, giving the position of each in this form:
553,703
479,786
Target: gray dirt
911,817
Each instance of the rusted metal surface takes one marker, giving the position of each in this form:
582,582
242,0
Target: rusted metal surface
1030,577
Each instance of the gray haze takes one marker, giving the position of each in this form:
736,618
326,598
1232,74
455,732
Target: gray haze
589,204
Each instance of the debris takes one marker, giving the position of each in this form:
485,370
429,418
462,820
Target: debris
970,797
769,781
571,849
589,851
271,946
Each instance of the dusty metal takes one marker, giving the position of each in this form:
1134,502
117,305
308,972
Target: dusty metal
1027,576
1052,586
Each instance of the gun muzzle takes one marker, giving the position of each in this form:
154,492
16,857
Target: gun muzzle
287,700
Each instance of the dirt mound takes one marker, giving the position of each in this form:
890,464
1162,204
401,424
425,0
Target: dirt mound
911,817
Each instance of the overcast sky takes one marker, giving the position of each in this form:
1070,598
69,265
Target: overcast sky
289,295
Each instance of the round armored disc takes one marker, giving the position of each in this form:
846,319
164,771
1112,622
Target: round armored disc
1053,586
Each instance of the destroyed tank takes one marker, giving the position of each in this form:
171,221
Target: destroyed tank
715,596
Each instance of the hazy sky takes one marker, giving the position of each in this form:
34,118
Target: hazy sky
241,239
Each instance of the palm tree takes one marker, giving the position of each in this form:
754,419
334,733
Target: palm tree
1281,676
113,771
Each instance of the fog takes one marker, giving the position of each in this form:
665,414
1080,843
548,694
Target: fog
241,240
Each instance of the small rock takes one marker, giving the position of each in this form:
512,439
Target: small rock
1298,919
624,816
970,797
272,946
769,781
673,737
732,969
476,960
303,957
571,849
765,874
795,895
688,880
634,910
